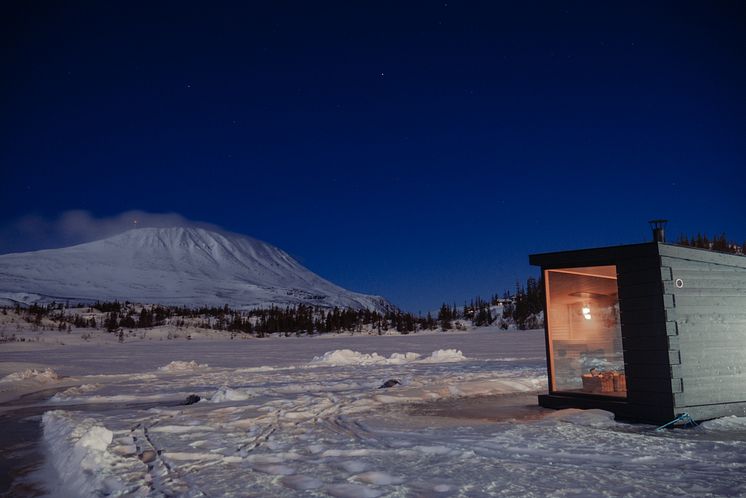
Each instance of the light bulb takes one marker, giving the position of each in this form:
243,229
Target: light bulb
586,312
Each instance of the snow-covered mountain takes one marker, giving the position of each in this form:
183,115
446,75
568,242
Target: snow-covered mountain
176,266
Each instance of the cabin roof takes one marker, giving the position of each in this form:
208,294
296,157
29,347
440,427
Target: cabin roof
611,254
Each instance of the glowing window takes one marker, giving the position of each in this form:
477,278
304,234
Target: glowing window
585,336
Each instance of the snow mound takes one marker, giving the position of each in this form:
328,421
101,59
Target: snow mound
349,357
732,423
182,366
46,375
79,454
114,398
589,418
445,356
400,358
341,357
74,392
262,369
226,393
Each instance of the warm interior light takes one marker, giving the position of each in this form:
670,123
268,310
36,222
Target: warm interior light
584,331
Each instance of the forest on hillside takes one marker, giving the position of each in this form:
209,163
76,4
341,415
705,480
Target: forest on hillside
520,310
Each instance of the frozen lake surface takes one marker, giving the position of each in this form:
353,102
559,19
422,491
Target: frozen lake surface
305,417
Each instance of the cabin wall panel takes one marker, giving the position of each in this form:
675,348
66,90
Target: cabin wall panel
698,395
641,277
650,386
700,256
650,329
707,316
693,335
644,289
692,290
702,282
640,317
651,369
692,372
645,343
646,357
684,262
704,412
697,304
710,313
647,302
661,398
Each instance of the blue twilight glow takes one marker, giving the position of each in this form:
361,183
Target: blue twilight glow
414,150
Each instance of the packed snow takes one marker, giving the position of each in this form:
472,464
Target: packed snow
181,366
45,375
307,417
347,357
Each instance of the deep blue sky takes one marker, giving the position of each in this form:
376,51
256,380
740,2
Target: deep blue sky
416,150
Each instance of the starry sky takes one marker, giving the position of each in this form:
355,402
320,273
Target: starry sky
417,150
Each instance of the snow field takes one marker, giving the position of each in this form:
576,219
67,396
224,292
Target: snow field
312,422
250,421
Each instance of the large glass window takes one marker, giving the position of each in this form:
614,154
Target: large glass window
585,337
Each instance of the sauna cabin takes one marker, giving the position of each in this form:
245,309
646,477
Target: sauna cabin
647,331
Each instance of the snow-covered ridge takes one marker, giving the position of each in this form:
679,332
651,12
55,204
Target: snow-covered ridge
175,266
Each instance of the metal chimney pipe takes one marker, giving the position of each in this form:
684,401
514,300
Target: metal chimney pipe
659,230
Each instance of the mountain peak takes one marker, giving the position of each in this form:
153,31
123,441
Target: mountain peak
176,265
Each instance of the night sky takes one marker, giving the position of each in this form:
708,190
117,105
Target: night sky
416,150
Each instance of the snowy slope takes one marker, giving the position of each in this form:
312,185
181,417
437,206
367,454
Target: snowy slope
177,266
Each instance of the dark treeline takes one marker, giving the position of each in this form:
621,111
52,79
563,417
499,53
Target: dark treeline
301,319
523,308
716,243
526,310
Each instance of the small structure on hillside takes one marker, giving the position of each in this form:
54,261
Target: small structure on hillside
647,331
